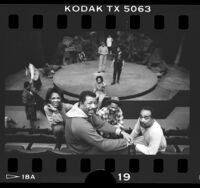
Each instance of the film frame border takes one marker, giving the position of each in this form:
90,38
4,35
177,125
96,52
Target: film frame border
188,157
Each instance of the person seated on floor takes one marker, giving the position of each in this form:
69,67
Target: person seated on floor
81,128
55,110
99,90
152,139
29,100
113,114
81,57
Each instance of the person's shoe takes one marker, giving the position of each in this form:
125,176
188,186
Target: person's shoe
112,83
99,71
118,82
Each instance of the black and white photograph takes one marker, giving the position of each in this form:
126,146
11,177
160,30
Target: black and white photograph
98,92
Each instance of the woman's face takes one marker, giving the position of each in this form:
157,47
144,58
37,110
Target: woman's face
55,100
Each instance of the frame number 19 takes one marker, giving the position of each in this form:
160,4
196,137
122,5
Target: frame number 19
124,177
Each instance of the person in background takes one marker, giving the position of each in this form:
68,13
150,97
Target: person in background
82,125
112,114
81,57
118,62
99,90
9,122
109,42
152,140
33,72
29,100
55,111
103,52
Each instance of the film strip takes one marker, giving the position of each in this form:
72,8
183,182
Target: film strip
63,41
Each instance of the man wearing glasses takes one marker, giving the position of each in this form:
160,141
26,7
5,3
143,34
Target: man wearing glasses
152,140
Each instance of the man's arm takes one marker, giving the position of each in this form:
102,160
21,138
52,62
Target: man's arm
123,63
106,50
99,50
105,127
136,130
87,133
154,144
120,118
102,125
31,68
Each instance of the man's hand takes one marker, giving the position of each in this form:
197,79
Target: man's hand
127,137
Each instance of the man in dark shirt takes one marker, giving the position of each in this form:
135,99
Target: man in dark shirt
118,62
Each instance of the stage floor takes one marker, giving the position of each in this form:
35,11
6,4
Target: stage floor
177,78
136,80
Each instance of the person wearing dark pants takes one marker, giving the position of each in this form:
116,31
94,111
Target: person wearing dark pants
29,100
117,63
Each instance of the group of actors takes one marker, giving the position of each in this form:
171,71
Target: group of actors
118,59
90,129
87,126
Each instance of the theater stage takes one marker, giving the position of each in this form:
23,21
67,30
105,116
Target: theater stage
136,80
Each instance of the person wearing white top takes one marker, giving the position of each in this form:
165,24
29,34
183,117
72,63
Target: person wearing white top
109,42
152,140
103,51
34,74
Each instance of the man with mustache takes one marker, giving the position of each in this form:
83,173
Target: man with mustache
152,140
82,125
112,114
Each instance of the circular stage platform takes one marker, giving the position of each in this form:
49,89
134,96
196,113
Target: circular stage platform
136,80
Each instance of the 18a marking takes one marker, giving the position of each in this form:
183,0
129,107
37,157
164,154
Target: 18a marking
28,177
124,176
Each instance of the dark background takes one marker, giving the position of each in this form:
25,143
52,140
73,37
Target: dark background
39,45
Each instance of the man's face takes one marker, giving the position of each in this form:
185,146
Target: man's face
113,107
89,106
103,44
145,118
